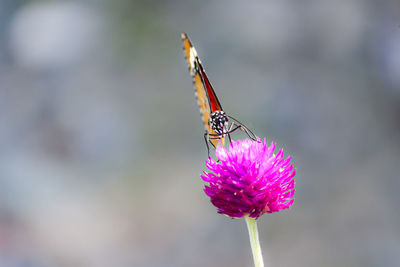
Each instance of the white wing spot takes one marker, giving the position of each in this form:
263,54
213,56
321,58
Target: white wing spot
192,57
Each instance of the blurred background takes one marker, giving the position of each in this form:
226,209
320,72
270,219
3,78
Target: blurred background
101,143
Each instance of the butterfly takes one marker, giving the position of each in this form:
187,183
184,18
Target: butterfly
217,123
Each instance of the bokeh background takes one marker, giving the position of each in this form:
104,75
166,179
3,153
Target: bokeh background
101,143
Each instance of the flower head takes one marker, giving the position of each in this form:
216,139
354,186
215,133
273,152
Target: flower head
249,179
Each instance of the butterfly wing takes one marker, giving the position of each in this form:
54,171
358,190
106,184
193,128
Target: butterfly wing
205,95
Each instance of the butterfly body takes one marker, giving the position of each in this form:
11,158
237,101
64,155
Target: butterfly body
219,122
216,121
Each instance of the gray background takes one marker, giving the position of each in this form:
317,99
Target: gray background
101,142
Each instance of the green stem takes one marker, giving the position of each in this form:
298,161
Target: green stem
254,242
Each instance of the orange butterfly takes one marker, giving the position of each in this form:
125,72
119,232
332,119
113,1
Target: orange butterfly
214,118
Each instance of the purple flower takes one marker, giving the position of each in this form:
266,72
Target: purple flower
249,179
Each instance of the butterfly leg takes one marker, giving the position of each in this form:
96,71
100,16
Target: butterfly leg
229,134
242,127
249,133
231,130
212,137
206,140
208,137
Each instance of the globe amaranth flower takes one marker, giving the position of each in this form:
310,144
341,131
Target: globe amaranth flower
249,179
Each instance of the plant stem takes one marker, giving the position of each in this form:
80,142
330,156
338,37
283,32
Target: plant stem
254,242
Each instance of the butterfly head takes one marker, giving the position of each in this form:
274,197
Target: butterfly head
219,122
